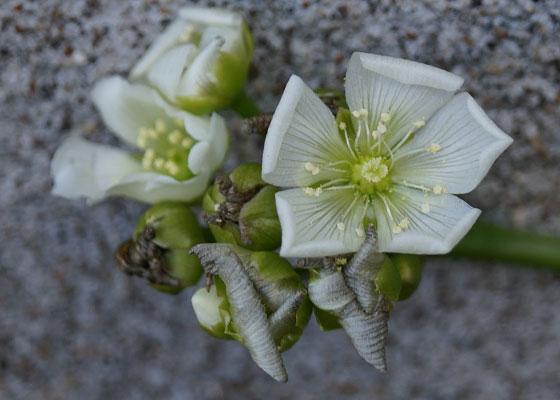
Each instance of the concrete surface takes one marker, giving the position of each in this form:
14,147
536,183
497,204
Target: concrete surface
73,327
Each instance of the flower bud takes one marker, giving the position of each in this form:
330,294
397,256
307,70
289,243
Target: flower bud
410,269
200,61
240,209
160,248
278,287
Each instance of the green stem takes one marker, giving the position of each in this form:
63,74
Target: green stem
244,106
489,242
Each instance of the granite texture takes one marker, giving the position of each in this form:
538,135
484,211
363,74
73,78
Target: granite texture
73,327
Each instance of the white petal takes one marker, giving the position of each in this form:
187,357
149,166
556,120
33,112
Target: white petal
84,169
206,307
436,223
302,130
197,126
469,144
310,225
408,90
199,78
163,43
209,155
125,108
166,72
210,16
151,187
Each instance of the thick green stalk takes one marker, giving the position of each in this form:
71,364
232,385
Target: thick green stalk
245,106
489,242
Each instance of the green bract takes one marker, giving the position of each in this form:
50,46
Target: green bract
241,210
177,230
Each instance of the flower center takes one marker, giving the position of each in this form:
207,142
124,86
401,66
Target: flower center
371,174
166,148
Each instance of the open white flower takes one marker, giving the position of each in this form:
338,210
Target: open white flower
200,61
180,151
395,159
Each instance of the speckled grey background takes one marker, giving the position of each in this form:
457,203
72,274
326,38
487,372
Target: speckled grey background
73,327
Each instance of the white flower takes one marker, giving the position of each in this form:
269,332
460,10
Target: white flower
180,151
395,159
200,61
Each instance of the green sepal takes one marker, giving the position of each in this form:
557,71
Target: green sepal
410,270
326,321
260,220
388,280
177,230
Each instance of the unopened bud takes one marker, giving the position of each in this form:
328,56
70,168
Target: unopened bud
159,250
240,209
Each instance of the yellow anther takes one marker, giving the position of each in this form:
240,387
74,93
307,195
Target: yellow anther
438,189
397,229
172,167
318,191
385,117
342,126
381,128
160,125
159,163
175,137
340,226
376,134
356,113
143,132
142,141
425,208
434,148
404,223
419,124
179,123
150,153
340,261
309,166
309,191
147,162
360,232
315,171
363,113
152,133
187,143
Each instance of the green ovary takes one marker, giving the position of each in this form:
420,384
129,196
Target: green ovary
166,149
372,174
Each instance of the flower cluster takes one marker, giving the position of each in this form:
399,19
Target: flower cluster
376,171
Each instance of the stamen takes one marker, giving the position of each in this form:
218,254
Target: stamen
175,137
187,143
419,124
381,128
315,171
356,113
309,166
172,167
438,189
396,229
159,163
434,148
160,125
142,141
385,117
404,223
318,192
340,226
363,113
340,261
342,125
425,208
309,191
360,231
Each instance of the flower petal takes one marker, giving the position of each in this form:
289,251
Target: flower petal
199,78
434,223
196,126
164,42
210,154
464,143
166,72
319,226
84,169
408,90
210,16
151,187
126,108
302,131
